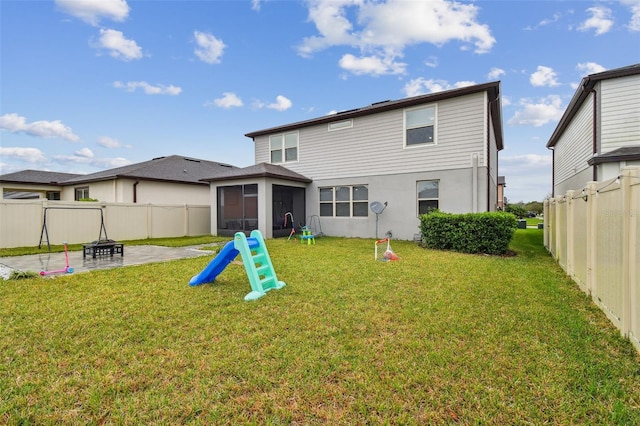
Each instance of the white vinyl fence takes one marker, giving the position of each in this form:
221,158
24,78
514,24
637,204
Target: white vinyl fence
21,221
594,235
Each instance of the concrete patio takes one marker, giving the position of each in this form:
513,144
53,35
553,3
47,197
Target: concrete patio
133,255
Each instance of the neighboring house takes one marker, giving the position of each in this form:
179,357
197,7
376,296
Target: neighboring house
164,180
432,151
33,184
599,132
502,200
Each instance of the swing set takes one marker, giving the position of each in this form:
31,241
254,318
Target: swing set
99,246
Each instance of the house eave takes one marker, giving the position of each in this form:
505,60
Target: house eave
256,176
492,88
586,87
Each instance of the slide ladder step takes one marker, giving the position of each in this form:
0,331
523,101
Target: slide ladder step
257,263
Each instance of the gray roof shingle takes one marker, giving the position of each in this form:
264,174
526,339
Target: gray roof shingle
37,177
259,170
174,168
627,153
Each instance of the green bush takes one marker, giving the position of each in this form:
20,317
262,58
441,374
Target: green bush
519,211
488,233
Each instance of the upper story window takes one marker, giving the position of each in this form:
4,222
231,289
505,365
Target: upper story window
428,196
284,148
419,124
338,125
344,201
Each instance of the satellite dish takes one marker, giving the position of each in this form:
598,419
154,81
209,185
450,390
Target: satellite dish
377,207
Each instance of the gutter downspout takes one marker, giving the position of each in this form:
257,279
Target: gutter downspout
553,171
489,156
595,131
474,182
135,191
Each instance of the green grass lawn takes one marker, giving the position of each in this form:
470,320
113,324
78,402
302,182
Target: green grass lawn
435,338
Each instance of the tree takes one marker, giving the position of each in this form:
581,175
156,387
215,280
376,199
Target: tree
534,206
519,211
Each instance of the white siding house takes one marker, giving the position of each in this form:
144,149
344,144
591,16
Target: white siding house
599,132
163,180
431,151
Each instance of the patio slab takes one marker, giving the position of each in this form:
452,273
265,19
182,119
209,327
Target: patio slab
133,255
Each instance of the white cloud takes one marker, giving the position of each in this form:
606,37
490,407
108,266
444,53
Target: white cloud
228,100
118,46
42,129
101,163
107,142
281,104
547,21
209,49
495,73
29,155
91,11
148,89
384,29
538,113
84,152
531,161
544,76
431,62
373,65
634,22
600,20
255,5
528,176
587,68
420,86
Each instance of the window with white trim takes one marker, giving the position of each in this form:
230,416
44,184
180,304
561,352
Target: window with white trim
344,201
428,195
283,148
81,193
419,125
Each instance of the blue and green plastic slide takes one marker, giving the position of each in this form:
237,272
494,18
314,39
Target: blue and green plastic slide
257,264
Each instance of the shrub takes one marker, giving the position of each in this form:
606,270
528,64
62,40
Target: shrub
519,211
488,233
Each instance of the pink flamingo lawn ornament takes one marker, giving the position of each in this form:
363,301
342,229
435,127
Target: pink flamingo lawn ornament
67,270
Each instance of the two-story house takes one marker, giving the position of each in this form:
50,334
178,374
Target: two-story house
435,151
599,132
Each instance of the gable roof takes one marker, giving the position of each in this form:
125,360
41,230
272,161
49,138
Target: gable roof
37,177
492,89
586,86
173,168
259,170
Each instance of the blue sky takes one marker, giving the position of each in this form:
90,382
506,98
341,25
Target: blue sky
90,85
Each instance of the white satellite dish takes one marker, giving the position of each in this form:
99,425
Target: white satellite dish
377,207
